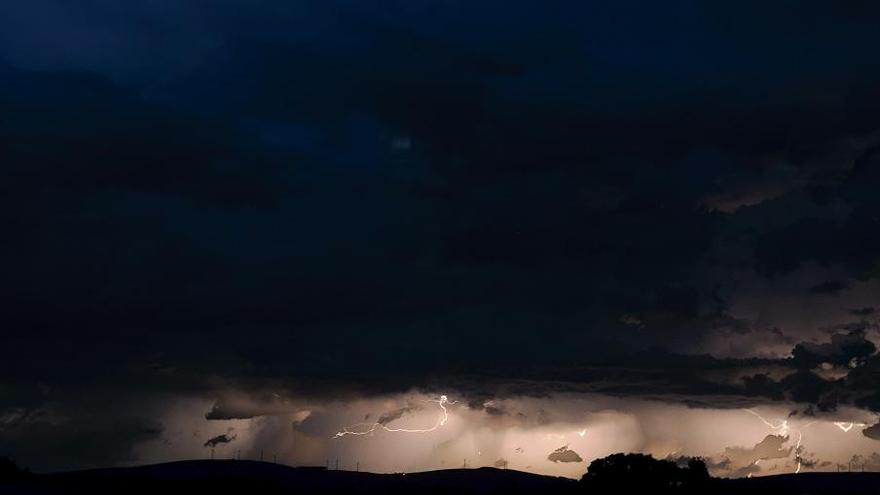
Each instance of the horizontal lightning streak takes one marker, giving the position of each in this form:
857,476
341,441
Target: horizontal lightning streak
442,401
848,426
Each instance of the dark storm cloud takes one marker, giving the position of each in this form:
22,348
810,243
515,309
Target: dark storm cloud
80,444
448,96
863,312
842,350
66,435
79,133
332,199
831,287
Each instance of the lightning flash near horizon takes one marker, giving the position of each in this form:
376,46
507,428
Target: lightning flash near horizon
441,401
782,427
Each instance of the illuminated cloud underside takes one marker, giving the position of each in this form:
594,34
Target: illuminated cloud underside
527,435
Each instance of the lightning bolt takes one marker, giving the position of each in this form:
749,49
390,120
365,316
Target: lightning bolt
782,428
848,426
444,417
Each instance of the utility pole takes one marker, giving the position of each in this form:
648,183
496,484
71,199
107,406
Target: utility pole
261,455
337,464
357,467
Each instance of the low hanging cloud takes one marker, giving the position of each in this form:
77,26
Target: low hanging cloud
872,432
395,414
564,454
771,447
220,439
742,461
245,406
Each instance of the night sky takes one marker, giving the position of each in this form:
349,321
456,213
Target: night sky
260,223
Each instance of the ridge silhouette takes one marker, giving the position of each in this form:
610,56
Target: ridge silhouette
615,474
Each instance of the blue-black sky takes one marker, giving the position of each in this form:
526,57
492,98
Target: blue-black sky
345,198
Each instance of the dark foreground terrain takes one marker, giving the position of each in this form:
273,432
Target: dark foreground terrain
250,477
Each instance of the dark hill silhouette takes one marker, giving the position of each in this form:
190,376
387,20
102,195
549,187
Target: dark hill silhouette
246,477
9,470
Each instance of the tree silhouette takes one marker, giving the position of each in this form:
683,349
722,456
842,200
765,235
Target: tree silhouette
644,474
9,470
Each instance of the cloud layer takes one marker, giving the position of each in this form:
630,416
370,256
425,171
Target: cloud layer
271,208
